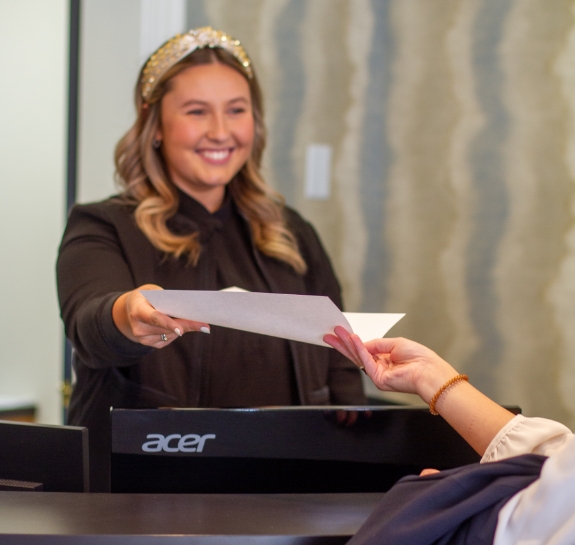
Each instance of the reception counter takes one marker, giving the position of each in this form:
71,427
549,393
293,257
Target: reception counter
220,476
51,518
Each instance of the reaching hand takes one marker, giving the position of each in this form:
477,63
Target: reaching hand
396,365
142,323
400,365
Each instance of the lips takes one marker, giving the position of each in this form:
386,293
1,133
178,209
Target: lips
216,156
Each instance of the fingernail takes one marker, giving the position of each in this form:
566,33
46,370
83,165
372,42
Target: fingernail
178,332
204,329
363,369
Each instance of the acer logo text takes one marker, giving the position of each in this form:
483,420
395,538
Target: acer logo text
176,442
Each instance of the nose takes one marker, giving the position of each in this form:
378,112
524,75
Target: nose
218,130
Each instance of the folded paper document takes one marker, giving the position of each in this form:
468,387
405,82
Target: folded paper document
305,318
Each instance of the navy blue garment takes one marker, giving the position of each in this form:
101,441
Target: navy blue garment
456,506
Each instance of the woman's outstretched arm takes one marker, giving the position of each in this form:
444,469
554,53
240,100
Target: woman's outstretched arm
401,365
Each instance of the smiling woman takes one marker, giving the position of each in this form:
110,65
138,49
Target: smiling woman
206,130
195,213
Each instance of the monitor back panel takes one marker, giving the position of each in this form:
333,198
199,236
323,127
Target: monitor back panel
54,456
280,450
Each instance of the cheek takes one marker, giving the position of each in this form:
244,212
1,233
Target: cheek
180,131
184,134
247,134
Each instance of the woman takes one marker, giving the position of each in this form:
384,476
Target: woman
528,496
194,213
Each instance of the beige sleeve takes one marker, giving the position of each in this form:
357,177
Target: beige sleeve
523,435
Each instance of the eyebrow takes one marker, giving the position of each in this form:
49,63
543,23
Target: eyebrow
194,101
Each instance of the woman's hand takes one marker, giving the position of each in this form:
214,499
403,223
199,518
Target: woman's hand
395,365
140,322
400,365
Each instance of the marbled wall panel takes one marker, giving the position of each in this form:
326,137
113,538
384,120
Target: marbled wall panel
562,291
539,186
453,198
375,157
421,208
491,199
327,78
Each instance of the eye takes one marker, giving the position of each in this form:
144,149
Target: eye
196,111
236,110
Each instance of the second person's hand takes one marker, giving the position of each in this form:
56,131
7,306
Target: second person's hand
395,364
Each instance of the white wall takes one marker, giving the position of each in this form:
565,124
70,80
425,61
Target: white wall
33,94
109,53
115,41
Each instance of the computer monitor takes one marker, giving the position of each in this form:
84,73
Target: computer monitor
277,450
43,457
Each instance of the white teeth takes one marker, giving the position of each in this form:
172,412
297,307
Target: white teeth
216,155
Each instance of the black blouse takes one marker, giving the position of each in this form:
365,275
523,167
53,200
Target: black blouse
104,254
260,371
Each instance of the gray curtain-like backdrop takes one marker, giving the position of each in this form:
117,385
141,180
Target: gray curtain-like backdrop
452,124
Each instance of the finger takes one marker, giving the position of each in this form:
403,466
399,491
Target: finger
345,338
341,332
158,340
142,330
160,320
429,471
351,418
185,326
383,345
149,287
365,358
148,314
335,342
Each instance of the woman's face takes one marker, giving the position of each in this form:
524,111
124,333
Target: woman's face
206,130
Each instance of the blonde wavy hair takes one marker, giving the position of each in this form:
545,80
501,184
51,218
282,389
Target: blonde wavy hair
142,173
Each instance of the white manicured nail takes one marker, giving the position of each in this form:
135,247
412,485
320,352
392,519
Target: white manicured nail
178,332
204,329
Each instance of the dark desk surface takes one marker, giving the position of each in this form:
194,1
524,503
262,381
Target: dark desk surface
50,518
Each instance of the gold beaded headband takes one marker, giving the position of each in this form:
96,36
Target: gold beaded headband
175,49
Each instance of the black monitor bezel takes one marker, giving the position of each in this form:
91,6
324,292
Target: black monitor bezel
54,455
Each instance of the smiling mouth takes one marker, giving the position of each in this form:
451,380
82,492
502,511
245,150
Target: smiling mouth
216,156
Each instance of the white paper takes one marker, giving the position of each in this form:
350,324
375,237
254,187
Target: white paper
371,325
305,318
